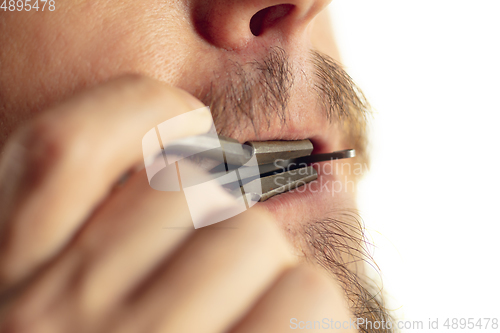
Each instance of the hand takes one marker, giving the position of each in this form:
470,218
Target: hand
78,254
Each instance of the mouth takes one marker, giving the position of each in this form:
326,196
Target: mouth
313,199
307,203
277,167
280,175
253,115
297,188
310,199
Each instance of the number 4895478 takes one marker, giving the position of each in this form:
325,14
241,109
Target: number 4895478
28,5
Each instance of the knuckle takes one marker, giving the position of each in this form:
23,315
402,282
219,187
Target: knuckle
310,281
146,88
263,227
260,231
15,321
47,144
135,84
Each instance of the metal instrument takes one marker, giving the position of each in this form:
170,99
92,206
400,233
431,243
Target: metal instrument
278,166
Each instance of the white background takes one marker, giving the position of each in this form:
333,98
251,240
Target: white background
431,70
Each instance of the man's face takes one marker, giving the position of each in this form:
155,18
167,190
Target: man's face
206,48
253,62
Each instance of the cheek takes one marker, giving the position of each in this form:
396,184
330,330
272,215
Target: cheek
47,56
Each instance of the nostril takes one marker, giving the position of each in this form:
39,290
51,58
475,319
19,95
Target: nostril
256,22
268,17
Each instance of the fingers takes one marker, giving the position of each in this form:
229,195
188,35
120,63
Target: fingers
59,167
302,298
215,277
127,237
218,273
126,274
133,230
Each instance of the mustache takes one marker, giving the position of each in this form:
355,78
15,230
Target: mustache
257,93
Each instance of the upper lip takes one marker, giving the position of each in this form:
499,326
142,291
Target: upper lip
322,137
311,125
304,117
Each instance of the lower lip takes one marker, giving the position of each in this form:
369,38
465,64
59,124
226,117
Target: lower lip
301,203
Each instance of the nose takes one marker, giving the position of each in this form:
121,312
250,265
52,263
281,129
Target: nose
235,24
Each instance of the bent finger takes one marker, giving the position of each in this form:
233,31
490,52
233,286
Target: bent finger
59,167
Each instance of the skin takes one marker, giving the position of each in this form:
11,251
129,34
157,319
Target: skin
78,252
